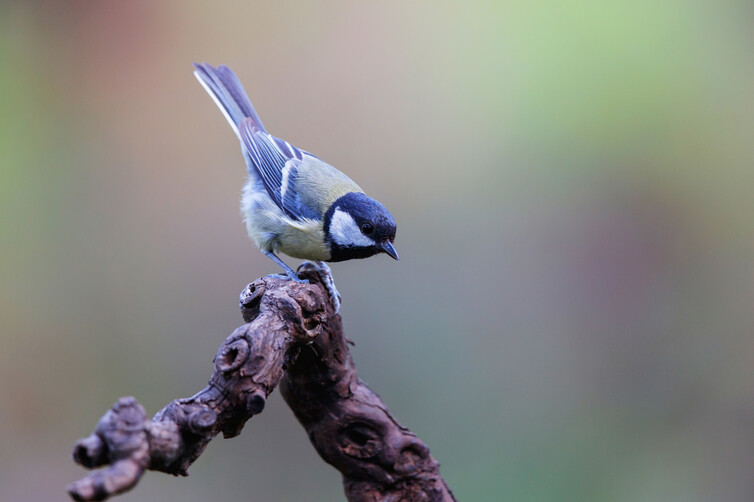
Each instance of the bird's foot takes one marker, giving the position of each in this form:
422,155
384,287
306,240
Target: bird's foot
289,273
325,276
292,276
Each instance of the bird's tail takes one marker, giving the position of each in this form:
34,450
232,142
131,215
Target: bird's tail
227,92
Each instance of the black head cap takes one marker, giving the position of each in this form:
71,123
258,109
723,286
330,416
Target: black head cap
357,226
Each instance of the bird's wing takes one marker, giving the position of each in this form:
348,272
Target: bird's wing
277,162
314,184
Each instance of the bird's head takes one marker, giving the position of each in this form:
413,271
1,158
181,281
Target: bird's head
357,226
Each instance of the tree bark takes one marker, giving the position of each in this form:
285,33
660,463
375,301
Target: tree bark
292,338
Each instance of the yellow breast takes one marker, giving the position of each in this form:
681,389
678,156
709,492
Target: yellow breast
303,239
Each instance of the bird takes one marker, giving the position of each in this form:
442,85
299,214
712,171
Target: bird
293,202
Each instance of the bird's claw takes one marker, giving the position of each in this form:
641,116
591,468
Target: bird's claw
293,277
329,283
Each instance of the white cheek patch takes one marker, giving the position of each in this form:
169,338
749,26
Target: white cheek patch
345,231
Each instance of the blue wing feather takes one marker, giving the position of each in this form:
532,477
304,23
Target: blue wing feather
292,201
275,160
271,159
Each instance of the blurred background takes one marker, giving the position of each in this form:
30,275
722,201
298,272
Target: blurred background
571,318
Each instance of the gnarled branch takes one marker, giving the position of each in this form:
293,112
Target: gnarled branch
293,338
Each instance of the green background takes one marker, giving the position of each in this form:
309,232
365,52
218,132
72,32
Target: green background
571,318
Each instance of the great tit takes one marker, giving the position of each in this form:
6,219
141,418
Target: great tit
293,202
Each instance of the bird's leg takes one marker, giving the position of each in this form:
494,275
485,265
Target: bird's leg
288,270
326,275
321,268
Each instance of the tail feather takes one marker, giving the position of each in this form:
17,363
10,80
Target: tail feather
229,95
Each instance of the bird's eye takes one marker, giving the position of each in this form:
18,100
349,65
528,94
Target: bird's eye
367,228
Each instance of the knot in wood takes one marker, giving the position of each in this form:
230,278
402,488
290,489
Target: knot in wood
250,299
90,451
381,448
360,440
232,356
202,420
255,402
412,457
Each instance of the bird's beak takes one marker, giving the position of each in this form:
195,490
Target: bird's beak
387,248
